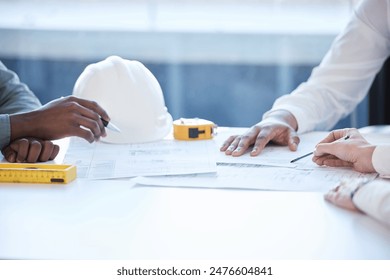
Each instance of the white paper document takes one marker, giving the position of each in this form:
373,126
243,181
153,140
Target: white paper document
234,176
175,163
274,155
104,161
271,170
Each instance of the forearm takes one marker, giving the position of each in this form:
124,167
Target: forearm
22,125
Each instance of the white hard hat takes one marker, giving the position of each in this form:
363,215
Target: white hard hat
132,97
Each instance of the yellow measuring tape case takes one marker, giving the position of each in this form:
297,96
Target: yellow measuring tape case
193,129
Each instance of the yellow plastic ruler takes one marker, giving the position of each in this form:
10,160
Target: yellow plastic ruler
193,129
37,173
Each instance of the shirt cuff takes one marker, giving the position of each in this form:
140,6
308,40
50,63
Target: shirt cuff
381,160
374,199
303,126
5,130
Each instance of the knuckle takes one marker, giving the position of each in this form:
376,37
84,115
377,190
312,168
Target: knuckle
94,104
35,144
71,98
96,116
23,141
73,105
48,144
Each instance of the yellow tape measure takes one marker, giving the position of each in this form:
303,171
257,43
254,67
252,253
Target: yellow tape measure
37,173
193,129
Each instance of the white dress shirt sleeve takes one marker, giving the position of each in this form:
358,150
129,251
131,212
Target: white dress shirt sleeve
345,74
381,160
374,200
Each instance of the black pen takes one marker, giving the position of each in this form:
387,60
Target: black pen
308,154
110,125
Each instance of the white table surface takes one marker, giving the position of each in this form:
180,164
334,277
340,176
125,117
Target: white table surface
116,220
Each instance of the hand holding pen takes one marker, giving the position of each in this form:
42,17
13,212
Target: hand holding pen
356,152
311,153
62,117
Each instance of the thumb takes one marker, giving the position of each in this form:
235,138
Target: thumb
293,141
9,154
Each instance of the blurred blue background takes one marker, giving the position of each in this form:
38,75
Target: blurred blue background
222,60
